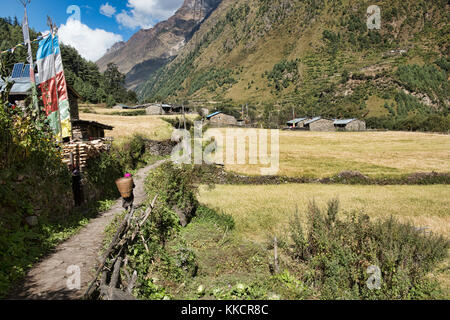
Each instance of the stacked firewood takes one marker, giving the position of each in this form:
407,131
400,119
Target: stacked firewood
111,286
79,152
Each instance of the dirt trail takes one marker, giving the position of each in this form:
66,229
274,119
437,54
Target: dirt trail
47,280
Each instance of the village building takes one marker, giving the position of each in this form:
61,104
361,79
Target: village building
297,123
88,130
319,124
154,109
21,90
350,125
160,109
219,119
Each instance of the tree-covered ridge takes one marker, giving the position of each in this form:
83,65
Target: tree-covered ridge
84,76
320,58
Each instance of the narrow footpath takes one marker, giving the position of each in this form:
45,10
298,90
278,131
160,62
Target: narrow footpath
47,280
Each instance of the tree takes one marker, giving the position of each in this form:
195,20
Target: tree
110,101
113,77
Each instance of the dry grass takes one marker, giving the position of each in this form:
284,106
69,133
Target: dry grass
267,209
262,211
152,127
320,154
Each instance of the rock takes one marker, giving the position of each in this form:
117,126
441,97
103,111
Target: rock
201,290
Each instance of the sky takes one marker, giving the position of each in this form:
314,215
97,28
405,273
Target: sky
92,27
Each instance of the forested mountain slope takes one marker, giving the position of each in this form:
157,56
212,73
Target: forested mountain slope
318,57
149,49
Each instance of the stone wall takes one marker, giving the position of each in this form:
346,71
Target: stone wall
322,125
356,125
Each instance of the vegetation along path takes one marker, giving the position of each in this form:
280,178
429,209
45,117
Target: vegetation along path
48,279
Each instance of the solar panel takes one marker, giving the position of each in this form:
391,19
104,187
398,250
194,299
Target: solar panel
26,71
17,70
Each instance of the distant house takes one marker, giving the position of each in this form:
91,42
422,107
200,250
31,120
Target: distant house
350,125
319,124
297,123
220,119
154,109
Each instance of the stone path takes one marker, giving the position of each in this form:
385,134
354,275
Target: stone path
47,280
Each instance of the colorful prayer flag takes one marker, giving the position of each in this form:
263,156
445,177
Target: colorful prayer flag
53,85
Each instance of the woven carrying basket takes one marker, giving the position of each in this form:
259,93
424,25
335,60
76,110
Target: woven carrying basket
125,186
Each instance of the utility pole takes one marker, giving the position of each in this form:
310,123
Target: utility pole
26,38
184,116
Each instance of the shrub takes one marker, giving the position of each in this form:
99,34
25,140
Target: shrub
174,187
338,252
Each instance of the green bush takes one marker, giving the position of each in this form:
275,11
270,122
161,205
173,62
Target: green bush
174,187
337,253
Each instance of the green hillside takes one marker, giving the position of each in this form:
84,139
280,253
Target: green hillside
319,58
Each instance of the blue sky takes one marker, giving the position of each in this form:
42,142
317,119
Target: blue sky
101,23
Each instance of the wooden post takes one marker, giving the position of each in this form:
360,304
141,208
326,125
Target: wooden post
275,253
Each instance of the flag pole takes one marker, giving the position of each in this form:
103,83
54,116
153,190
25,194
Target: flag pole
26,36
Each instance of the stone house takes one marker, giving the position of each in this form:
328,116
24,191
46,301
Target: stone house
350,125
154,109
220,119
319,124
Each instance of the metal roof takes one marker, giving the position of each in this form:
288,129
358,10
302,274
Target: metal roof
343,121
21,78
21,86
297,120
213,114
313,120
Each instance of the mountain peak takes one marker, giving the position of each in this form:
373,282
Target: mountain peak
149,49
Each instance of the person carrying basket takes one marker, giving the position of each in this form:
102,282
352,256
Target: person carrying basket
126,186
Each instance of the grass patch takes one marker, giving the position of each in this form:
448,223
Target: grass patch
265,209
152,127
375,154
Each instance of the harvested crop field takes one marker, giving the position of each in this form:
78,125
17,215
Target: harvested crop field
266,209
322,154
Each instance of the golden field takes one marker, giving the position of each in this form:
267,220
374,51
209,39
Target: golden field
152,127
315,154
260,210
321,154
